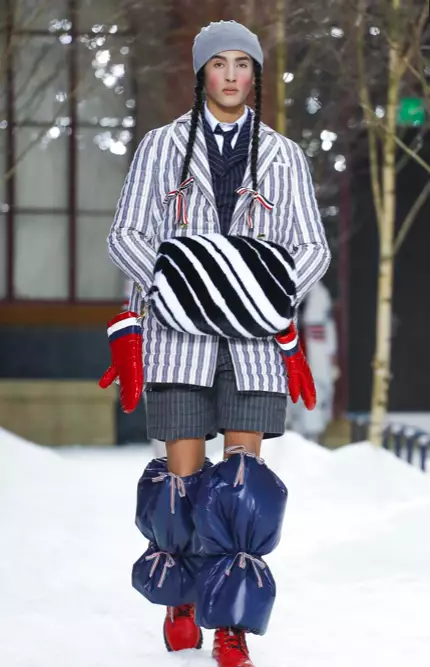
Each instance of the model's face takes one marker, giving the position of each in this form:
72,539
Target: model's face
229,77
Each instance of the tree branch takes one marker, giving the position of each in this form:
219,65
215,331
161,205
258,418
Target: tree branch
364,97
375,121
407,222
419,30
416,145
410,152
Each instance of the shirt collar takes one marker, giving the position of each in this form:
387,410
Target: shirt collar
213,122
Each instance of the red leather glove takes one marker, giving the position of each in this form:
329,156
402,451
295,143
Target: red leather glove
300,380
125,340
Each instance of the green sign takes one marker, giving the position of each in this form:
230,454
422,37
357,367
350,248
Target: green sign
411,111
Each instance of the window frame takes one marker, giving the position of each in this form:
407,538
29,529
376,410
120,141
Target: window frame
10,302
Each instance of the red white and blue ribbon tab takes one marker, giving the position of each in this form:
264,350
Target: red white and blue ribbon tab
256,197
124,325
288,343
181,206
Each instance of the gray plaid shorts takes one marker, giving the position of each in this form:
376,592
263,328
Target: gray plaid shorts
190,411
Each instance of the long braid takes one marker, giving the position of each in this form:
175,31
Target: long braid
256,130
196,111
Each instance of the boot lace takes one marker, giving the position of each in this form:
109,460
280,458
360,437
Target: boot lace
185,611
235,639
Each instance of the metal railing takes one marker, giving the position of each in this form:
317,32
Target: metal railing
407,442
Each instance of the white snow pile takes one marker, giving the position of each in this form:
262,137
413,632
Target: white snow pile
353,568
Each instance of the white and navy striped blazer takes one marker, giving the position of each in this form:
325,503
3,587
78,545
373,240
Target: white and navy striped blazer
143,220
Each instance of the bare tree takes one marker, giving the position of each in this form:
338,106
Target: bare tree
402,27
357,61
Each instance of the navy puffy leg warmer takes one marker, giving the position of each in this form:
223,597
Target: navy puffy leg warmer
166,573
238,517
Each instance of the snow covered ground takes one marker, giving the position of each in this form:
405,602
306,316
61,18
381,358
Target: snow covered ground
353,569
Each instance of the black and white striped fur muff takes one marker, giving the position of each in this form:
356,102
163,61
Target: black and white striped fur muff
230,286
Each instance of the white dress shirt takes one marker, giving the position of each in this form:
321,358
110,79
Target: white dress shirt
213,122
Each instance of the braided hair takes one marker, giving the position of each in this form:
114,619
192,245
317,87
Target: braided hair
196,111
198,108
257,118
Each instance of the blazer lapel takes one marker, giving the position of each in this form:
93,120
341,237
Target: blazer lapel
267,151
199,165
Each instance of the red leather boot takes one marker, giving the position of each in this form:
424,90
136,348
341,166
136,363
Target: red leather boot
230,649
180,629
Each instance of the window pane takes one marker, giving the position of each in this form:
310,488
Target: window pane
103,159
97,276
41,169
3,125
3,256
105,94
41,257
3,53
3,166
95,14
40,79
41,14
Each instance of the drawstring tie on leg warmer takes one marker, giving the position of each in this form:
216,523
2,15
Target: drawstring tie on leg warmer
238,517
166,573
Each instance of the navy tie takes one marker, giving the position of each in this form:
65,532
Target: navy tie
227,149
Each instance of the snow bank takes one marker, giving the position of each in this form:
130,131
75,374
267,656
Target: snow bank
353,567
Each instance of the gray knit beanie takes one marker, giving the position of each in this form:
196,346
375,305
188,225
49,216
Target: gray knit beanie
225,36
